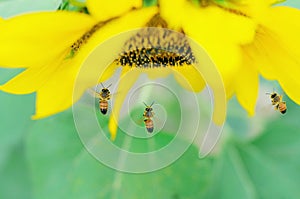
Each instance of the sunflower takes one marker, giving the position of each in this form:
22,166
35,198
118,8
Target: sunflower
240,38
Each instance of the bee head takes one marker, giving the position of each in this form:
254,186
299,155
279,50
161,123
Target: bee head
273,95
104,90
148,109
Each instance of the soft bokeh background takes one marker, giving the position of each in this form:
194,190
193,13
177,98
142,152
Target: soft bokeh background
256,157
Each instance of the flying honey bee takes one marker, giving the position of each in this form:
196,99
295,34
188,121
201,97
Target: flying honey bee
277,102
148,115
103,96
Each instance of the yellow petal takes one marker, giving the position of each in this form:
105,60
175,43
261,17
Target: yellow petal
212,21
51,102
283,23
127,80
262,52
56,94
189,78
291,88
104,10
38,38
227,61
63,88
29,80
272,2
279,51
218,22
212,76
70,80
171,11
246,85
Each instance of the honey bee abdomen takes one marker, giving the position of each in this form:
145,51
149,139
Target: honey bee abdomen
149,125
150,130
282,107
283,112
103,105
103,111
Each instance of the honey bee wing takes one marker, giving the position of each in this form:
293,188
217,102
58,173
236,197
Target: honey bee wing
114,94
93,93
139,121
158,122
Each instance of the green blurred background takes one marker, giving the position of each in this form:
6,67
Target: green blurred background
257,157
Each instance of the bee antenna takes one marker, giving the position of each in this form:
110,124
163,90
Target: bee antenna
102,85
152,104
145,104
109,86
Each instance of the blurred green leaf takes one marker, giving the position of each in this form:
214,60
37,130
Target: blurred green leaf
14,7
15,120
15,114
73,5
291,3
52,147
187,178
266,167
15,176
147,3
61,166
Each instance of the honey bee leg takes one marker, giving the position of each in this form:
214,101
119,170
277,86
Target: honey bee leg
276,107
